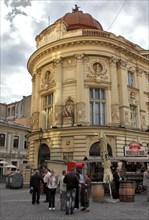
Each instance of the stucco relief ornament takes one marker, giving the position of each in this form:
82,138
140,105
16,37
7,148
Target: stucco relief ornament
132,99
68,109
97,71
126,116
115,113
143,120
47,78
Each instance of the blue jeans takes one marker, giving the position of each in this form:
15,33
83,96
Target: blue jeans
70,200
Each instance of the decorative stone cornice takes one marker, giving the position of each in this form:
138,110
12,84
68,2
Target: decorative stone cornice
47,49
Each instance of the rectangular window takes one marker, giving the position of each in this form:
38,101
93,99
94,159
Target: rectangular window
13,110
16,141
25,145
2,140
97,106
48,106
8,112
15,163
130,79
133,115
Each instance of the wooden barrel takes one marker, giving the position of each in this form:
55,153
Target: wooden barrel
97,191
127,191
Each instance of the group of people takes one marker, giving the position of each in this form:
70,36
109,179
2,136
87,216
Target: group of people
75,189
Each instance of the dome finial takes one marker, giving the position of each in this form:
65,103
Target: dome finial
75,9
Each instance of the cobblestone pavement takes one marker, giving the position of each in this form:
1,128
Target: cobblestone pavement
15,204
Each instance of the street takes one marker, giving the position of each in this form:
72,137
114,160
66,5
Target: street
15,204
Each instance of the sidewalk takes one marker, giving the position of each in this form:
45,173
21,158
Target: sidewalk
15,204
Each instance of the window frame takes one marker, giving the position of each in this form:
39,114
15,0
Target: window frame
4,141
18,141
48,108
97,102
131,79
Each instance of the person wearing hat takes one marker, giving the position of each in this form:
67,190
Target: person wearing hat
146,182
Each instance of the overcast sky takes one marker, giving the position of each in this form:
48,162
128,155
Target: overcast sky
22,20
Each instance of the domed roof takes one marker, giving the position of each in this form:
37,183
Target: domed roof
79,20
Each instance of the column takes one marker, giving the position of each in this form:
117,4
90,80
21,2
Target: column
114,93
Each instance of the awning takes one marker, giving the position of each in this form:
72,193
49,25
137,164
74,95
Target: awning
118,159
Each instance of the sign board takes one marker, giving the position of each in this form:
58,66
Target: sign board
134,149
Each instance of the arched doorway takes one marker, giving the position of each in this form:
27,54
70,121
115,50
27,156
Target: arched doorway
96,169
95,150
43,154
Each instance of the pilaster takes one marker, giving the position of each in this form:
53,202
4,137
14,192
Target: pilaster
58,93
114,92
123,92
80,105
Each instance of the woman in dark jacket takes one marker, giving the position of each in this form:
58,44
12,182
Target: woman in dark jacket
85,193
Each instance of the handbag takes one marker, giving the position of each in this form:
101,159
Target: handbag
31,190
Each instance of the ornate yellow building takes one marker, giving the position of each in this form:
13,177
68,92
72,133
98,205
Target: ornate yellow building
84,80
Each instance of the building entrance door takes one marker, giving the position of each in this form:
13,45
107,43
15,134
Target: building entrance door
43,154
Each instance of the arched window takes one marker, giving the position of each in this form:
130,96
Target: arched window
43,154
95,150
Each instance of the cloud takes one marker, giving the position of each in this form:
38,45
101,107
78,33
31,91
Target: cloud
22,20
16,8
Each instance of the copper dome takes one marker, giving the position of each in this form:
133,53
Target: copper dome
79,20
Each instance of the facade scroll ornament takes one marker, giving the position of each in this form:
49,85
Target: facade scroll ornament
57,61
139,71
113,61
121,63
79,56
